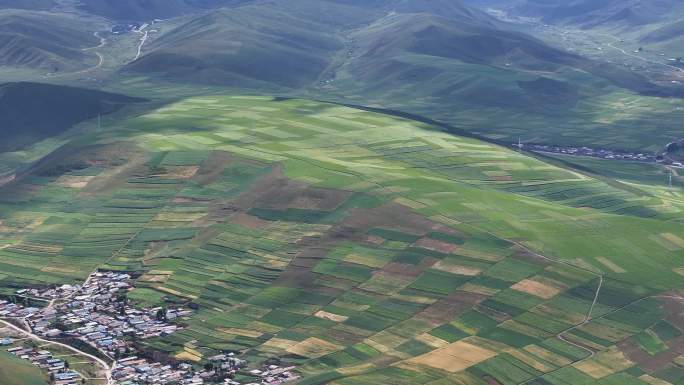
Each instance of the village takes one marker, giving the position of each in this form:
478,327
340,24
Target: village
600,153
98,315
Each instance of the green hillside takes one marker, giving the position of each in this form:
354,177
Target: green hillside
329,186
60,108
667,38
50,42
14,371
592,13
418,57
276,44
359,247
423,36
273,45
501,84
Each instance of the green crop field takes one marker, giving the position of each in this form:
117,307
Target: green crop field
363,248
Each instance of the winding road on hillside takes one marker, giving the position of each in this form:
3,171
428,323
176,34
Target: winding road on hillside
100,59
143,40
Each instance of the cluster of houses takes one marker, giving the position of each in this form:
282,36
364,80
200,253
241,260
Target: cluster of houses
223,369
99,314
120,29
271,375
603,153
13,310
63,291
58,369
134,370
589,152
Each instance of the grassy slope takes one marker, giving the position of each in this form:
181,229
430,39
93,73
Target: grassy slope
592,13
666,38
14,371
273,217
541,94
51,42
273,46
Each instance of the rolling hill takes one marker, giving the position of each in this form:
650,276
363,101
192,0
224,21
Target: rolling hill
329,186
666,38
590,13
454,72
358,247
273,45
278,43
262,44
50,42
422,57
30,112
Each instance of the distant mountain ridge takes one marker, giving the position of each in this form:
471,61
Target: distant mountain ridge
53,43
591,13
250,45
297,43
145,10
28,4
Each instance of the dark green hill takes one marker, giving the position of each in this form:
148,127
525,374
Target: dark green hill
27,4
294,44
625,12
412,50
273,45
449,9
151,9
30,112
665,33
50,42
592,13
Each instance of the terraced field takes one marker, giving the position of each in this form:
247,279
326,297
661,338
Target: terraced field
364,248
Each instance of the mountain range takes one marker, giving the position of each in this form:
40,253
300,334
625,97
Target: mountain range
342,192
590,13
53,43
27,4
418,56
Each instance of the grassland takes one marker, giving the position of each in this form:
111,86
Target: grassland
364,248
14,371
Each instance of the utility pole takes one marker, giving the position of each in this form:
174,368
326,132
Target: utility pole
670,178
520,145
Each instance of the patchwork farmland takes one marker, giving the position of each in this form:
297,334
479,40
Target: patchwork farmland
360,248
